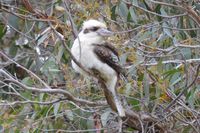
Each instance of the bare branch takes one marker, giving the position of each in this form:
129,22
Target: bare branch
58,91
172,61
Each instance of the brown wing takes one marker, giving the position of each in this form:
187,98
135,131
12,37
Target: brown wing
108,54
112,48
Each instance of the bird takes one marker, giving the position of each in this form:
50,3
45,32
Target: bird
98,57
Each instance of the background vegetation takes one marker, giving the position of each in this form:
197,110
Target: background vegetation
158,42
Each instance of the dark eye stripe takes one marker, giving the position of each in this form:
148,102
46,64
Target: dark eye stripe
94,28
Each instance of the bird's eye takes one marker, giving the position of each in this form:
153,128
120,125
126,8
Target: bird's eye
86,31
94,28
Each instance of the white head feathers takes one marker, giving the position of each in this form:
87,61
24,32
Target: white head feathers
92,28
93,23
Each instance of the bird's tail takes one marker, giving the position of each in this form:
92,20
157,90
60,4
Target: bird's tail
118,104
112,96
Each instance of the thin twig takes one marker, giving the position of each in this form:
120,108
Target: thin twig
58,91
31,102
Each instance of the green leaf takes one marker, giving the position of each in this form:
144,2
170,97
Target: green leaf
188,53
133,14
166,30
141,77
128,89
13,49
157,10
187,129
143,36
113,15
56,108
42,112
147,5
51,70
60,53
13,21
163,12
69,114
191,24
197,5
129,17
135,2
104,117
181,22
27,81
170,73
123,10
90,122
135,103
175,78
191,98
41,96
3,30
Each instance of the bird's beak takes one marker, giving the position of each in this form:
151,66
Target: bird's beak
104,32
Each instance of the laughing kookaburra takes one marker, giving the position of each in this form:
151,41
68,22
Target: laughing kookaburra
97,56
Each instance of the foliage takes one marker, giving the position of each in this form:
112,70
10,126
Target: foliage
158,44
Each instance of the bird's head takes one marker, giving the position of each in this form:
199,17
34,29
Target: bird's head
93,28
